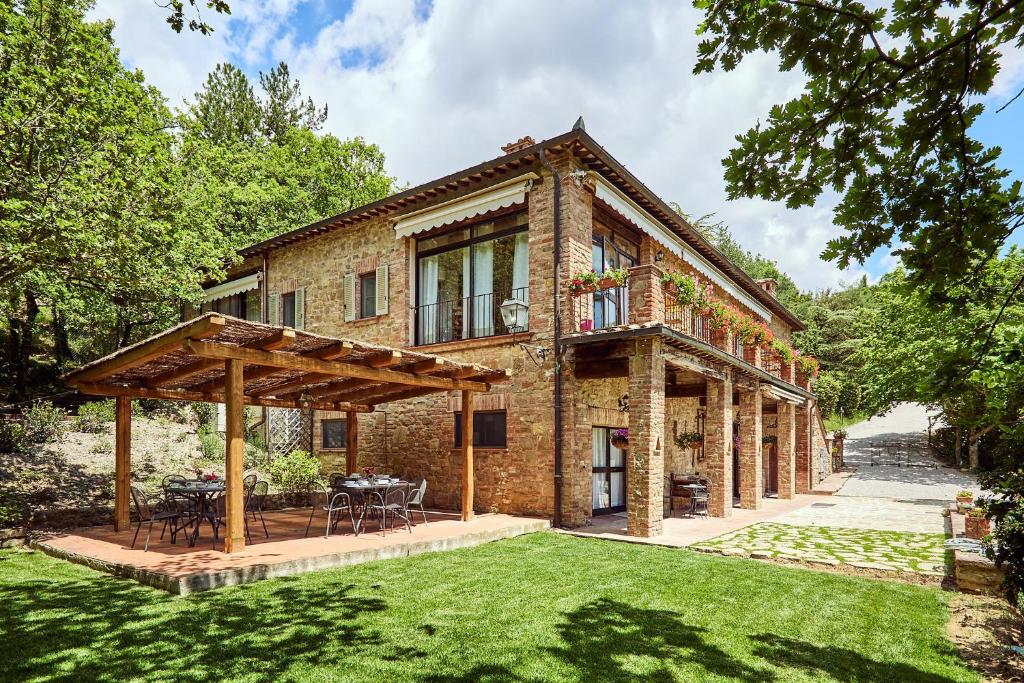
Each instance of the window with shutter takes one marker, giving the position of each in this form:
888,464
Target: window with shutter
300,308
382,289
274,308
349,296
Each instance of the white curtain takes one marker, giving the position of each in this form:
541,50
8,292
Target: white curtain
521,271
467,291
483,289
427,285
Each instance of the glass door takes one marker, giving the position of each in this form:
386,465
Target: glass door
609,473
608,253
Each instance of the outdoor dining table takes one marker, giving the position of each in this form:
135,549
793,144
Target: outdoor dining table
201,493
364,491
695,488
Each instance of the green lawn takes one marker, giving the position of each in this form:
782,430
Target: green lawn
545,607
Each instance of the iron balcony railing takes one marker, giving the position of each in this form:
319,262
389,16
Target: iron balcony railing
600,309
690,322
471,317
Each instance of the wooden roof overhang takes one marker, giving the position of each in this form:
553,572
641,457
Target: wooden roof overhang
711,355
188,363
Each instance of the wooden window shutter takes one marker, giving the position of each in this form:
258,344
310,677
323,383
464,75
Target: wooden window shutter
274,308
349,296
300,308
382,289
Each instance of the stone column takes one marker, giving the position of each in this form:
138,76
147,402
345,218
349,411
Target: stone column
751,481
803,449
787,449
646,294
646,457
718,445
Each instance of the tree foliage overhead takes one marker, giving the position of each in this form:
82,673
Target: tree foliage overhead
114,211
890,95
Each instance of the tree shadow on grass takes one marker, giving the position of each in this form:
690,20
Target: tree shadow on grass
839,663
74,629
610,640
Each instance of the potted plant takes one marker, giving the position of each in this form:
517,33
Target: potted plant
976,524
682,287
620,438
964,498
610,279
689,439
583,282
769,439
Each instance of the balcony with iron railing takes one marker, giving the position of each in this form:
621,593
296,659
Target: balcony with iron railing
473,317
644,300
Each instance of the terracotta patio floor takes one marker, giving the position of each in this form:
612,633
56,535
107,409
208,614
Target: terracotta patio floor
181,569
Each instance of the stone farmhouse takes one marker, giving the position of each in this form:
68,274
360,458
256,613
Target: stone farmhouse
477,267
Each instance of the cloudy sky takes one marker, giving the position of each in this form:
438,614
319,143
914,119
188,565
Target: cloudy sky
441,86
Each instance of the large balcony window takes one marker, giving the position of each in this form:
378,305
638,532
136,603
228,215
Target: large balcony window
464,275
610,251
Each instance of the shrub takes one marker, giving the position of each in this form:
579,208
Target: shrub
93,417
212,445
256,458
12,437
295,472
205,414
44,422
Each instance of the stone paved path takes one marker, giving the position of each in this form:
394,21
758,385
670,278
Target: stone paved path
869,549
885,515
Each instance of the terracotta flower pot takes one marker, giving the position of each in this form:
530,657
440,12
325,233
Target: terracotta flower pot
977,527
607,283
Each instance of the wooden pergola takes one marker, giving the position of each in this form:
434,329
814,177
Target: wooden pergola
220,359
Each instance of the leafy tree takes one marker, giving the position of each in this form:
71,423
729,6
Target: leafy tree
87,181
178,12
226,109
890,96
283,108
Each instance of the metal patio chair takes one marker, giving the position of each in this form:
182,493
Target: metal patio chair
152,509
391,502
415,498
333,503
255,503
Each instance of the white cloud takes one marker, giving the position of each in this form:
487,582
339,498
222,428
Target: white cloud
445,92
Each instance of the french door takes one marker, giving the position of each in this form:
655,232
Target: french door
609,473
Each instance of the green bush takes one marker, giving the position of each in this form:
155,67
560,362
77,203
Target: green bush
44,422
94,417
12,437
256,458
212,445
295,472
205,414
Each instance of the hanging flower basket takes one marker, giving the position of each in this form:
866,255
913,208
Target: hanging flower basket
690,440
583,282
610,279
620,438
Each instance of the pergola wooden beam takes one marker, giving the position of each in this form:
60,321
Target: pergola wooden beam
234,452
202,328
276,340
297,385
209,397
352,442
308,364
467,456
122,462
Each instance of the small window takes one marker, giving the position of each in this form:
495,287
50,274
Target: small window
368,295
488,429
288,309
335,433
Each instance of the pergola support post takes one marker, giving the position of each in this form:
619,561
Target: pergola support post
351,442
467,456
234,535
122,462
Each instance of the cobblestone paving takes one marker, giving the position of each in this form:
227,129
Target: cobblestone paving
870,549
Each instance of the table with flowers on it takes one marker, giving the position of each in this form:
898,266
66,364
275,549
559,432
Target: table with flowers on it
201,495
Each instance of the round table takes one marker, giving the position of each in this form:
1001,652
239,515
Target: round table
380,488
202,493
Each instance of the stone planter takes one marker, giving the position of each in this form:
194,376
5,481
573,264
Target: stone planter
977,527
962,501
